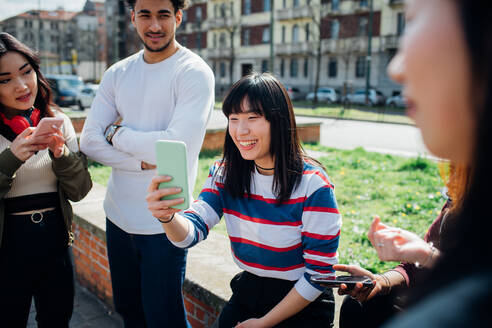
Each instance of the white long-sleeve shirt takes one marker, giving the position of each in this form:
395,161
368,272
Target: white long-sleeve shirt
169,100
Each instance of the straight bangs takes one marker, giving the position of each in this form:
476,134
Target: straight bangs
234,100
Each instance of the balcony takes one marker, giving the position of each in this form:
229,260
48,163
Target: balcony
360,6
343,46
389,42
293,13
217,53
396,2
301,48
221,22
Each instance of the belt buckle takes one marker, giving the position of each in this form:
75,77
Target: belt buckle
34,220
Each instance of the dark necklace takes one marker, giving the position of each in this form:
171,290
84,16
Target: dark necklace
259,167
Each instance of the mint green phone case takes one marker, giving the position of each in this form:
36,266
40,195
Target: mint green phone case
171,160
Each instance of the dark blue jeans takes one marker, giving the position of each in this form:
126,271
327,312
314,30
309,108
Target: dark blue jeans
147,274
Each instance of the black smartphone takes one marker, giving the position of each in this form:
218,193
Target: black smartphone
350,281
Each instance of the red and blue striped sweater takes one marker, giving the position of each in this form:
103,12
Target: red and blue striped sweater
290,241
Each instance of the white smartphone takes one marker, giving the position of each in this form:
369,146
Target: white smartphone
171,160
46,124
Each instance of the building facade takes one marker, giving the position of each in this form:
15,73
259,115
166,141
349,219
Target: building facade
67,42
324,40
328,38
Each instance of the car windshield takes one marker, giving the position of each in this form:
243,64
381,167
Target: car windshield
70,84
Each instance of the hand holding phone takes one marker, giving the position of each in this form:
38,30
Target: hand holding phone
48,125
349,281
48,131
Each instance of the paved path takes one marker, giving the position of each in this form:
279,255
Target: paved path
388,138
88,312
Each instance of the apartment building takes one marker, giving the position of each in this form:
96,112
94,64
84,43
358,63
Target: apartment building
68,42
328,38
49,32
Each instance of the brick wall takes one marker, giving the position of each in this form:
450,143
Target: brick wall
92,271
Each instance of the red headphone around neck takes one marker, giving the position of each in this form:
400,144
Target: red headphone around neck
20,122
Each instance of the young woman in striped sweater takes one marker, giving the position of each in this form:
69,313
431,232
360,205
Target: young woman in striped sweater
279,207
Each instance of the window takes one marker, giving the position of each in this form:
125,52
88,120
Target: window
306,67
283,34
222,40
363,3
266,5
185,41
332,67
307,32
222,69
246,37
400,24
295,34
199,41
335,4
199,14
264,66
360,67
223,10
214,67
296,3
282,67
185,16
362,28
216,11
294,67
247,7
335,29
40,24
214,42
266,35
284,4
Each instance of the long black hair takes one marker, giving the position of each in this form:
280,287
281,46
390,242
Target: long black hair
465,235
43,100
268,98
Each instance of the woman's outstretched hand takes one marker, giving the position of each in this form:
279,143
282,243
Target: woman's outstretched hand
395,244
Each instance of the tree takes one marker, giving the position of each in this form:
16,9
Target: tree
317,12
232,25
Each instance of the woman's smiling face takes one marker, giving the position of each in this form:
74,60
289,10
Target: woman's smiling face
250,132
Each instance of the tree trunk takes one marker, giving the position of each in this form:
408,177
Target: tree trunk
318,69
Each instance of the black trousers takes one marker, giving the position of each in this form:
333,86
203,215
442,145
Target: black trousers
35,262
254,296
370,314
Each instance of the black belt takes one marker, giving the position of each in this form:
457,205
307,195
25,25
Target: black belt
31,202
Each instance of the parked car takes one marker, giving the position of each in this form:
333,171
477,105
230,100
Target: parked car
65,88
86,96
293,92
396,101
376,97
329,95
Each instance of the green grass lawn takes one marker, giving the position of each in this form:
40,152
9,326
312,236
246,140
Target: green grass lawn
404,192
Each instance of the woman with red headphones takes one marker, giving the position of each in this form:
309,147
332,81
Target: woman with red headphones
39,174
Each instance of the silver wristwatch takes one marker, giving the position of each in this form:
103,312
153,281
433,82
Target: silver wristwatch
110,132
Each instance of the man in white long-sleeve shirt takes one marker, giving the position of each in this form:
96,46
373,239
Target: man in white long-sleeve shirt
162,92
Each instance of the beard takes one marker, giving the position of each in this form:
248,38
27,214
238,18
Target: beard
160,49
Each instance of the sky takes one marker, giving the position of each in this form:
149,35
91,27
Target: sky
9,8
